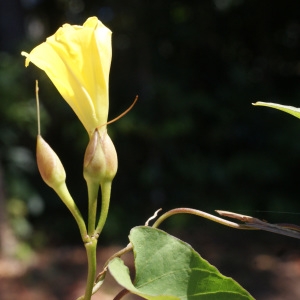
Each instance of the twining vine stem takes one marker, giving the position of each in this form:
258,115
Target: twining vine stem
158,222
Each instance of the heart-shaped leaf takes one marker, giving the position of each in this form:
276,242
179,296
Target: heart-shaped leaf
169,269
288,109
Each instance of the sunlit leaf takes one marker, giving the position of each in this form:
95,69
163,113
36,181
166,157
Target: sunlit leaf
167,268
288,109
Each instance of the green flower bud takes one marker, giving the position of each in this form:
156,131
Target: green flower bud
49,164
53,173
100,159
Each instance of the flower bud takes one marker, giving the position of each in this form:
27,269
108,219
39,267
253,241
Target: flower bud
100,159
49,164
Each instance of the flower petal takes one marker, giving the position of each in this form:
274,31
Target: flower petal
77,60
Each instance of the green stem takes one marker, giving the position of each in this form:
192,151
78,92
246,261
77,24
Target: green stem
93,189
105,193
184,210
91,257
102,274
65,196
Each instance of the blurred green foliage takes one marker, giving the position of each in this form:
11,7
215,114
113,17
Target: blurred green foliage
193,139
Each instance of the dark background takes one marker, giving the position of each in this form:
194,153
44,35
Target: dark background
192,140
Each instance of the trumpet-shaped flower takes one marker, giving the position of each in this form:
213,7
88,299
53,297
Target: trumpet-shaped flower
77,60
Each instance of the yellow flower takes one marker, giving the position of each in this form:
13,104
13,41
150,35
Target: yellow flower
77,60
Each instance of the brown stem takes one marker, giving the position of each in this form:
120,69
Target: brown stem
121,294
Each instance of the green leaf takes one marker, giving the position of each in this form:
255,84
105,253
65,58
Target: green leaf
169,269
288,109
121,274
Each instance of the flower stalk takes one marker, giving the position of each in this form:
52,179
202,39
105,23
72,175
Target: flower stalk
105,200
77,59
91,248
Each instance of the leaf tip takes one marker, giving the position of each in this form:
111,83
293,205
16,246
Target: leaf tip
257,103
